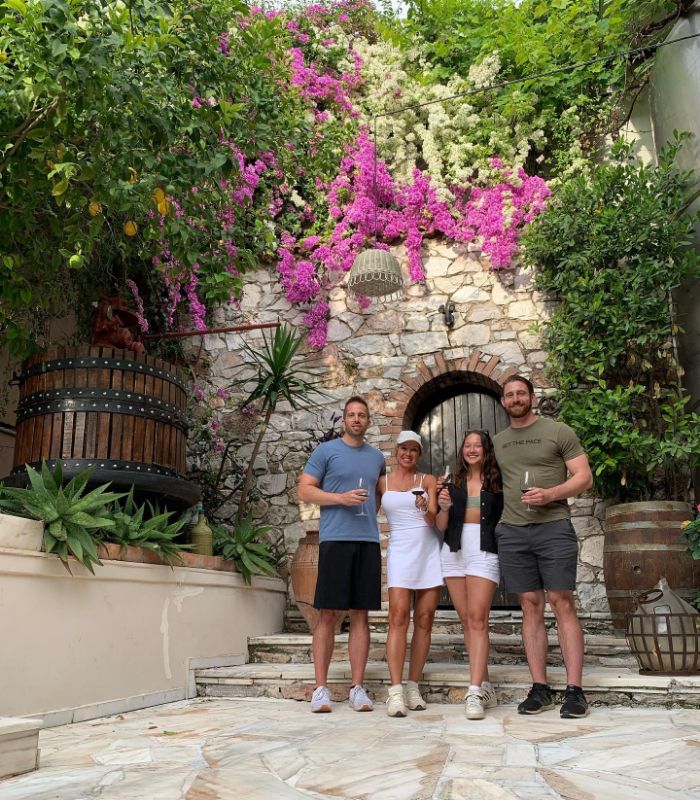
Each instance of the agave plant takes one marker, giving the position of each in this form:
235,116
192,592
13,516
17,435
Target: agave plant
156,533
243,546
73,521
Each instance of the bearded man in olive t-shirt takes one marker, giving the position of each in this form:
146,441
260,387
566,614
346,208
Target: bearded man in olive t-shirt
542,464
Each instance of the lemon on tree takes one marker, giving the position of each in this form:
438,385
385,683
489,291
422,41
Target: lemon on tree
130,228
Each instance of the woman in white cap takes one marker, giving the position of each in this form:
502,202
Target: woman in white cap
409,500
468,512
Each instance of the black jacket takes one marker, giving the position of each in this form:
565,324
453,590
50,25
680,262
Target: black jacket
491,510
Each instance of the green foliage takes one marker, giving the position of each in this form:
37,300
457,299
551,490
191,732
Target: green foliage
74,522
690,534
611,250
135,527
279,376
534,36
96,113
247,546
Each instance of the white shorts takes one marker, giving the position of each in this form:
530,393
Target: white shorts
471,559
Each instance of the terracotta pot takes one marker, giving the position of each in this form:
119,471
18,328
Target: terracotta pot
304,571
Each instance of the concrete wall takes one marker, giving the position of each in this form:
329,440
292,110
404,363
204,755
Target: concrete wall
82,646
674,95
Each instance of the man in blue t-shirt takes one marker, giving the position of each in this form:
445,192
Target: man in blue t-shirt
341,476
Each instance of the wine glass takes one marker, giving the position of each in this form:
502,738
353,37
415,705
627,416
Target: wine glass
362,484
527,481
417,488
447,475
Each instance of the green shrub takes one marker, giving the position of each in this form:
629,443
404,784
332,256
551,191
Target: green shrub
133,527
612,249
74,522
246,545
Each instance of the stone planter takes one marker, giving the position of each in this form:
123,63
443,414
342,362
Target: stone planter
642,545
20,533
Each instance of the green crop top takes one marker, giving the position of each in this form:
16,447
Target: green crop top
473,501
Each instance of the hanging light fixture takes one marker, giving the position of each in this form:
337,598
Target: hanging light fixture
375,272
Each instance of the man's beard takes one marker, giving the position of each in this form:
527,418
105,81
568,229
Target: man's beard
519,411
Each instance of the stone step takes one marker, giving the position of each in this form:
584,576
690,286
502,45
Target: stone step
447,683
447,622
506,648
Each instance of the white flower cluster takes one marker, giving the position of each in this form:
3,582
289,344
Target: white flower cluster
483,74
454,140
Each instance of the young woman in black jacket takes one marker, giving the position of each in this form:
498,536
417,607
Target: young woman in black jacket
469,509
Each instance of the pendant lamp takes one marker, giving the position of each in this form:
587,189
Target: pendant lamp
375,272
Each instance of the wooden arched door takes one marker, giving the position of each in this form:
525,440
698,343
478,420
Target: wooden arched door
456,410
442,423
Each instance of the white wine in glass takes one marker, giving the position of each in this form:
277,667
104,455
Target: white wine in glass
527,481
362,484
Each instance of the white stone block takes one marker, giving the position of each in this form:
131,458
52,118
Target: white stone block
470,335
20,533
469,294
419,343
19,740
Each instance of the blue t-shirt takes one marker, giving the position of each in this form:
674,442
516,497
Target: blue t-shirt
338,466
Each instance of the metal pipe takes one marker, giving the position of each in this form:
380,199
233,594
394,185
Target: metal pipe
232,329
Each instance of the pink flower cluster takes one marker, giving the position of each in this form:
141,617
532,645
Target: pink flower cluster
318,86
368,204
325,216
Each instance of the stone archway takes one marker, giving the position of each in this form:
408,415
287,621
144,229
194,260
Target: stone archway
403,404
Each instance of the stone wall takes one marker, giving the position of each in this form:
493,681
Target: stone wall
396,353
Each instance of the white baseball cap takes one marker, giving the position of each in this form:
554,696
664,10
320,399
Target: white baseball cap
409,436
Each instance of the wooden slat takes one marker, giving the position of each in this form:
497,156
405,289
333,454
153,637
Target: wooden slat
79,435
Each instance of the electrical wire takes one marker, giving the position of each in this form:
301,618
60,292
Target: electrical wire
536,76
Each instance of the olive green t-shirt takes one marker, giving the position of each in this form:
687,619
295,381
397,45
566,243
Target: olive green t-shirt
543,448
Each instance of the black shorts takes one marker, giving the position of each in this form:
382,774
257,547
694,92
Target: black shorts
538,556
349,576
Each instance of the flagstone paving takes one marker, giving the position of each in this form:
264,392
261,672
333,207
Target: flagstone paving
263,749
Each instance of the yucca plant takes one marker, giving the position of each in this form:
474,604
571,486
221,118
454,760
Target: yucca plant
155,533
73,521
279,377
243,546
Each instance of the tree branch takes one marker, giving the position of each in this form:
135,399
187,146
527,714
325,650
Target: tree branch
26,131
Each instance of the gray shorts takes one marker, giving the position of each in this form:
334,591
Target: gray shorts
538,556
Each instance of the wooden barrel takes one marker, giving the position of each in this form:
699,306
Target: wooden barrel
642,545
121,413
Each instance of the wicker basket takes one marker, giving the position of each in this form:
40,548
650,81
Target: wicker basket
375,273
665,644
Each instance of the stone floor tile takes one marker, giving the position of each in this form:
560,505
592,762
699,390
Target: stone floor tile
264,749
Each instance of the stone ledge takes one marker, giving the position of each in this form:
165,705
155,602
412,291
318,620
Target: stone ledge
140,555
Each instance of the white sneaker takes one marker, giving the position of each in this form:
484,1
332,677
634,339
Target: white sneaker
395,706
321,700
474,705
359,699
414,699
488,694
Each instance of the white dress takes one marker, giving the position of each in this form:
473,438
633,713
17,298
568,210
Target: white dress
413,555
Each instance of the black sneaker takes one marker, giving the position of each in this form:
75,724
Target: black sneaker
575,704
539,698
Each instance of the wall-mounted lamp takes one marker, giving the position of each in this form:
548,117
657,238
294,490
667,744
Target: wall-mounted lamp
448,314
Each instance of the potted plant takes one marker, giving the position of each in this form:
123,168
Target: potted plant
612,249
